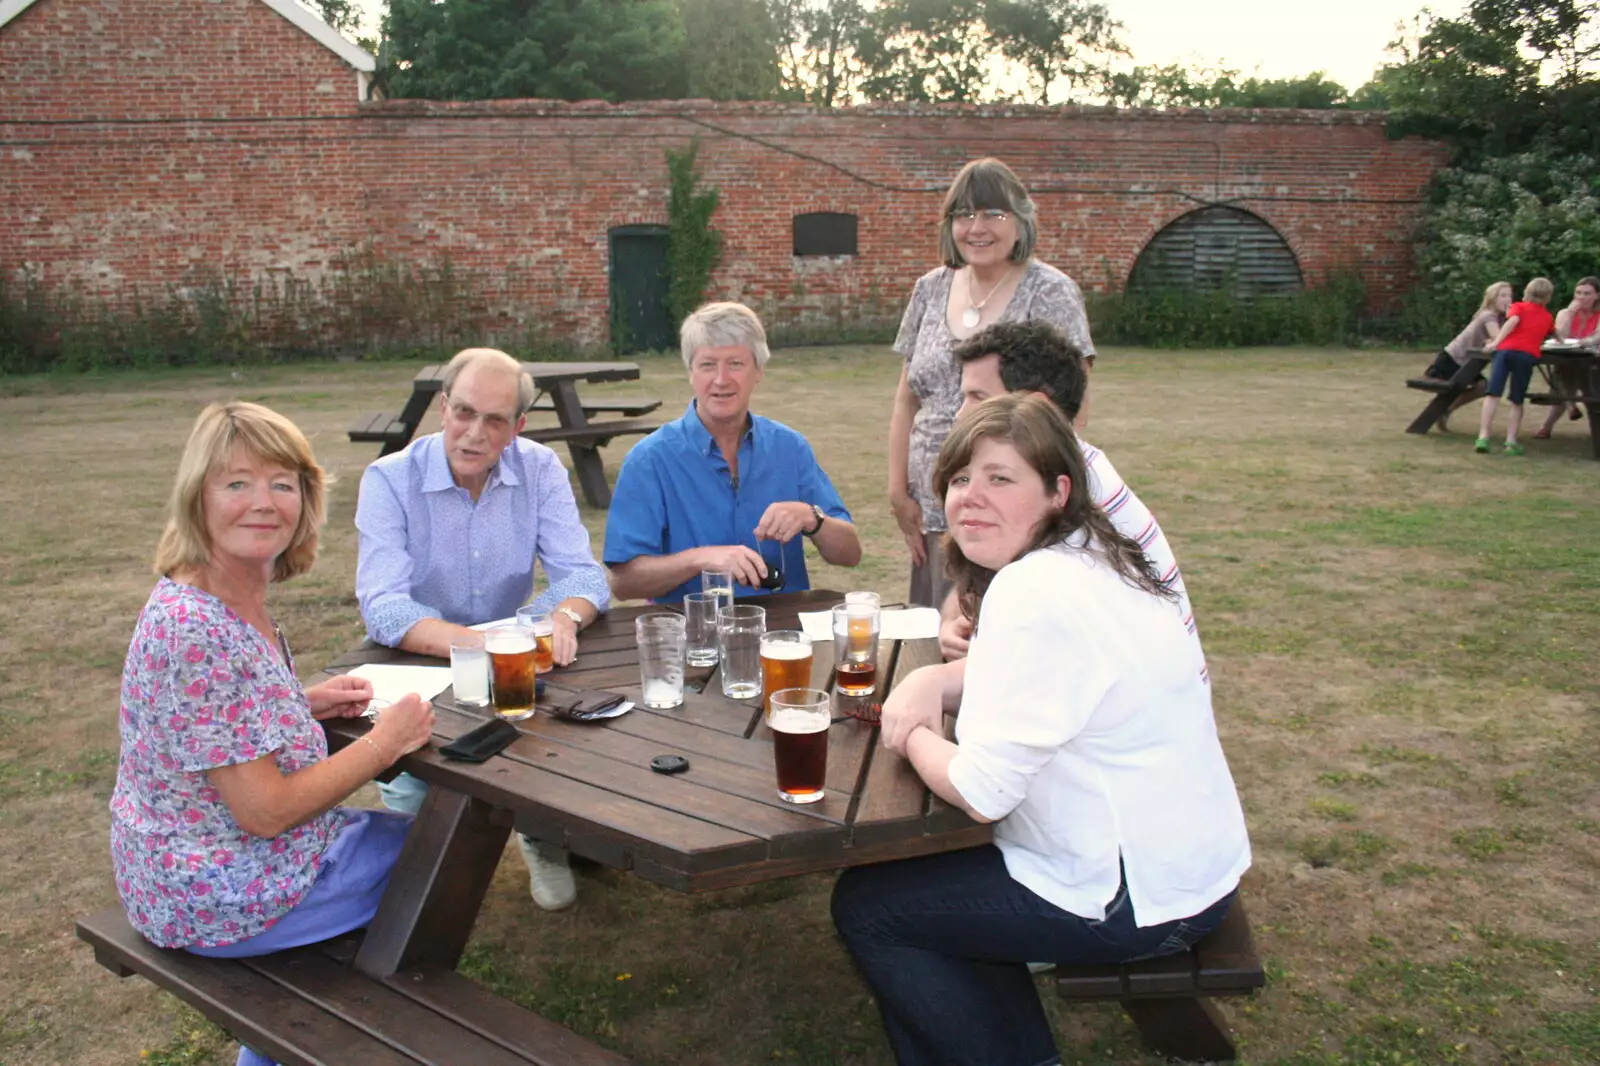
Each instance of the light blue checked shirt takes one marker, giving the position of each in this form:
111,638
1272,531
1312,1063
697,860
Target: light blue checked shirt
428,551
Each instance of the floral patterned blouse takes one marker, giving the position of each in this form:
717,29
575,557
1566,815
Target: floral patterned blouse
202,688
926,343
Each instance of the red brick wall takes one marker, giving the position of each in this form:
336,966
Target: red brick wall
234,142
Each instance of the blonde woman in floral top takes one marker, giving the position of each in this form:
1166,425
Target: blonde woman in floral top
226,837
987,232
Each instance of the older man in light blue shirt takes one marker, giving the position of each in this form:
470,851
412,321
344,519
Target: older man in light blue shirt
450,531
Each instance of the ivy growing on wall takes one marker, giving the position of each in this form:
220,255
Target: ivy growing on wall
694,249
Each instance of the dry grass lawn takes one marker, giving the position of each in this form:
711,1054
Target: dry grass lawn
1403,635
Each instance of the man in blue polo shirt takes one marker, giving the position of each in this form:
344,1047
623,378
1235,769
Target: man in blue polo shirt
713,489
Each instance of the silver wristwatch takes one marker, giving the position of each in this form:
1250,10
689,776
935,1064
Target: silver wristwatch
822,516
577,619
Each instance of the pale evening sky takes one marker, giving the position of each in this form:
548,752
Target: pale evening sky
1266,38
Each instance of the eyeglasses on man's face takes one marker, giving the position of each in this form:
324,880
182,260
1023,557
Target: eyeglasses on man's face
466,415
992,215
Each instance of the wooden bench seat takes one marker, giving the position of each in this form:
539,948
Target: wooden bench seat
1550,399
1428,384
1169,998
593,435
380,428
628,408
310,1007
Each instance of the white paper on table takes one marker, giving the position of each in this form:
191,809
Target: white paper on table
909,623
394,682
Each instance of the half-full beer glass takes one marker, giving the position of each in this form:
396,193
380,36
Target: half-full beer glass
785,663
855,647
799,723
544,637
512,650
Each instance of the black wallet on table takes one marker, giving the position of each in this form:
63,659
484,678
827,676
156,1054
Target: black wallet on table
585,705
478,744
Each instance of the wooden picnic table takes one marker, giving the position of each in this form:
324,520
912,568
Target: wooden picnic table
557,385
1556,365
588,787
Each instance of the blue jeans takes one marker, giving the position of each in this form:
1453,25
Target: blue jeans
1518,366
944,942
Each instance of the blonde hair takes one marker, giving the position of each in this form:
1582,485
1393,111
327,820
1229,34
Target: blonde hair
1492,293
470,357
265,435
723,325
1539,291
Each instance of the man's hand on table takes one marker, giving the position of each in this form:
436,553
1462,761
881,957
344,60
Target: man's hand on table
563,639
746,563
785,521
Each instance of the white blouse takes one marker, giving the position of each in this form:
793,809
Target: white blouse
1086,732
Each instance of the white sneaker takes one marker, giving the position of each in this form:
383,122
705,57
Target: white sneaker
549,877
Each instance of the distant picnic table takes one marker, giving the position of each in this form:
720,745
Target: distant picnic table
1559,365
557,385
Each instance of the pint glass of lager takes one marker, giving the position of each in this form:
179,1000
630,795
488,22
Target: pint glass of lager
511,670
544,637
785,663
856,627
799,721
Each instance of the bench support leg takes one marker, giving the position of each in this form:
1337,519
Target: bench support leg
1183,1028
585,457
437,886
1439,405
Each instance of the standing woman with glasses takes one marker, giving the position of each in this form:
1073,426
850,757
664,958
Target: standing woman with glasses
987,231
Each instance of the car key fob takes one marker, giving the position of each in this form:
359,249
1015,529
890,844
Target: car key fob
669,764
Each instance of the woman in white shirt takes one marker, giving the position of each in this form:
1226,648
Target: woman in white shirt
1085,734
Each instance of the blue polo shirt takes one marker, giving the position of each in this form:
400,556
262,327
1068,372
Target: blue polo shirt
676,492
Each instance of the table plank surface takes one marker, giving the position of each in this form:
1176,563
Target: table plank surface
589,785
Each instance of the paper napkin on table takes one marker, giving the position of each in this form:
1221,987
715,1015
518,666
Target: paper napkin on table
393,682
910,623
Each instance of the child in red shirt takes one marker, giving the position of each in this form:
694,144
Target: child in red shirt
1516,349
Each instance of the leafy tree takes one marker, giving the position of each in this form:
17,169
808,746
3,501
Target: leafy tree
818,43
1056,41
1179,86
732,49
926,50
1313,91
555,49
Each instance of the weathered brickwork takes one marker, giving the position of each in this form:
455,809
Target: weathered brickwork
144,143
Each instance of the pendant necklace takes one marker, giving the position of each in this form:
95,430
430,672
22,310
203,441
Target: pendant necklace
974,312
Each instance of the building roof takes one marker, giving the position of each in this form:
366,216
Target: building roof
306,19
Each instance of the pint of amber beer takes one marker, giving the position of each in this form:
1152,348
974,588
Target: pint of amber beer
785,663
512,652
799,721
544,635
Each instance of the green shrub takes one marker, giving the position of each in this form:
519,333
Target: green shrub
1215,318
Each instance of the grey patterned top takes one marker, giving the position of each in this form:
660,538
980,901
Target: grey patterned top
925,342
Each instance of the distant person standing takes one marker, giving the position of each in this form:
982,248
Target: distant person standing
1453,356
1578,321
987,231
1516,350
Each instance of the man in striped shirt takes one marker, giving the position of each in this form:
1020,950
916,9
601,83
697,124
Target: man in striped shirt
1034,356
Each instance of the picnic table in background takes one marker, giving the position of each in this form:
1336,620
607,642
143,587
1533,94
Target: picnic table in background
557,385
1554,358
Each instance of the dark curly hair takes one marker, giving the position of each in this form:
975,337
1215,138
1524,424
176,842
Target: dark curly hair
1034,357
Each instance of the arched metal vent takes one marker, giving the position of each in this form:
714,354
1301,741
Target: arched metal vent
1218,248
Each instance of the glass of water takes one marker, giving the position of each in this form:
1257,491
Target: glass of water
661,643
469,671
700,627
739,632
719,582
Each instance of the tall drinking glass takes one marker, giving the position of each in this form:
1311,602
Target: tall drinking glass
856,627
799,724
719,582
661,644
511,670
700,627
785,663
544,635
739,630
469,671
